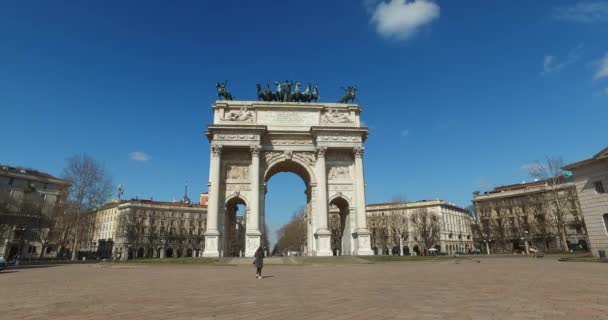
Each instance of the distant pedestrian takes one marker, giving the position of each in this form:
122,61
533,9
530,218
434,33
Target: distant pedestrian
259,262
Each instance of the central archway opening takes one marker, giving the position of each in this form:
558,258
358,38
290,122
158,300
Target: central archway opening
287,209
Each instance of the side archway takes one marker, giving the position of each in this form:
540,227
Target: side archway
234,225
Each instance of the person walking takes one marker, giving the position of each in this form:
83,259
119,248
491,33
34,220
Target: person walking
259,262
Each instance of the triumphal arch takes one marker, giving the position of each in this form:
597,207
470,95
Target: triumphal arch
320,142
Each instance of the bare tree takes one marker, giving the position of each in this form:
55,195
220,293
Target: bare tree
399,229
63,219
379,232
292,236
399,197
90,186
133,227
426,226
560,201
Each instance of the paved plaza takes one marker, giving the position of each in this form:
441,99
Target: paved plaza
493,288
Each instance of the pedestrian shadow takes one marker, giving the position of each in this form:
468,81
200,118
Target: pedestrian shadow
264,277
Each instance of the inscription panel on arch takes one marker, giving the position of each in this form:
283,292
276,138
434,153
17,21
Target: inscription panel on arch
288,118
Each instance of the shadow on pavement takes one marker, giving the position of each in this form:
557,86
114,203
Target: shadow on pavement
31,266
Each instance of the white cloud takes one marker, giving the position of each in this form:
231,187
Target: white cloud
553,64
139,156
548,64
401,19
583,12
405,133
602,72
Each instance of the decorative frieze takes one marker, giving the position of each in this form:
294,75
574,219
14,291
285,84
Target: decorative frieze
237,187
333,116
340,187
337,138
243,115
236,137
288,141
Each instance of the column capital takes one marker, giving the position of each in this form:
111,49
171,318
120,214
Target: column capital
321,152
216,150
255,150
358,152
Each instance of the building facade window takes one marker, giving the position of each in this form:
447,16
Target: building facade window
606,222
599,187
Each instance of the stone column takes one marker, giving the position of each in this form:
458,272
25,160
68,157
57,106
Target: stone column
212,233
253,233
363,234
322,234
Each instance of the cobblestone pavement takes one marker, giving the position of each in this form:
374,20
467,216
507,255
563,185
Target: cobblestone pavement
499,288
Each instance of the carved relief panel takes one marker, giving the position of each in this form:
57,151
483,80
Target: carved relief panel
339,172
236,172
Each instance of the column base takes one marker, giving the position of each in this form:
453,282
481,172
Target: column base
364,243
211,244
323,243
253,243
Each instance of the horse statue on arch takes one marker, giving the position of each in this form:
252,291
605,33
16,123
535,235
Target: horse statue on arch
315,93
350,95
261,94
297,96
222,92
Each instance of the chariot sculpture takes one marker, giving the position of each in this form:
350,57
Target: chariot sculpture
283,92
287,91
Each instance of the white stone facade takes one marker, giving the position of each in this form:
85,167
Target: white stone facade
320,142
591,179
454,223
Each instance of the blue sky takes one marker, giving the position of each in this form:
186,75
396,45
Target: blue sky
458,95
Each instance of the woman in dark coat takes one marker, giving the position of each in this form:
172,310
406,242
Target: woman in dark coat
259,262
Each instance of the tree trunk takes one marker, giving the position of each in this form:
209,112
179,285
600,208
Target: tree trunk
42,250
487,248
401,246
74,249
562,233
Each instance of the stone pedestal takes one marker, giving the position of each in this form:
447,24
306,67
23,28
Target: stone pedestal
364,243
211,244
253,243
324,243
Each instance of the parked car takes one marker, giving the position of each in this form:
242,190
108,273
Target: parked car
2,263
533,250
